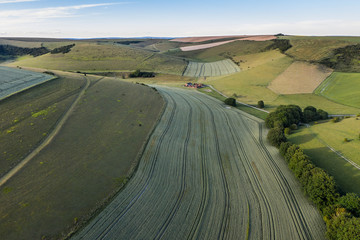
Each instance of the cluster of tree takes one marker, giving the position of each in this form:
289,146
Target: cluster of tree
230,101
341,213
138,74
286,115
282,44
63,49
344,59
129,42
9,50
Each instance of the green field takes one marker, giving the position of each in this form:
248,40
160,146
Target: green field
315,141
62,186
92,57
342,88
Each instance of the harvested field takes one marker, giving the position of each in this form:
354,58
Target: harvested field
16,80
211,45
88,161
259,38
300,77
207,173
233,49
219,68
203,39
204,46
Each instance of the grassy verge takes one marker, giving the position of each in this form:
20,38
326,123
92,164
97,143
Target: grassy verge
257,113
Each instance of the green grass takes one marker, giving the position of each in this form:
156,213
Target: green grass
221,52
88,161
251,85
316,48
343,88
93,57
260,114
313,140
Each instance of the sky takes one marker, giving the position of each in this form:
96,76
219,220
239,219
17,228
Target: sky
177,18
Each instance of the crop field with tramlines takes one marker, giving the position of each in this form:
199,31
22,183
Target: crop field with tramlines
219,68
207,173
15,80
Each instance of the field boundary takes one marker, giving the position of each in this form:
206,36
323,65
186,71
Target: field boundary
332,149
237,100
48,140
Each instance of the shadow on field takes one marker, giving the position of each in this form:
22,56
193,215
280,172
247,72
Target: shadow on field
303,138
346,176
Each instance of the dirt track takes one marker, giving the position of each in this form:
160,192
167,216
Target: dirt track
207,173
49,138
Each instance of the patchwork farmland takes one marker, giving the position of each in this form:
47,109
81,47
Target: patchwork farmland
219,68
215,178
15,80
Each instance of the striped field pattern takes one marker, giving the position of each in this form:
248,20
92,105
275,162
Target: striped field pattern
208,173
201,69
16,80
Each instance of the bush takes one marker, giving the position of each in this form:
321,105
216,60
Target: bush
335,119
63,49
138,73
260,104
351,202
287,131
293,127
230,101
346,140
276,136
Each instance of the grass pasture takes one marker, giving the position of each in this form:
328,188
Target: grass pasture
300,77
76,172
343,88
218,68
91,57
316,48
27,117
314,141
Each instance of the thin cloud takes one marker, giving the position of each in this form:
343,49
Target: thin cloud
16,1
53,12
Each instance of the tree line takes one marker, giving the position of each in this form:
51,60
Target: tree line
341,212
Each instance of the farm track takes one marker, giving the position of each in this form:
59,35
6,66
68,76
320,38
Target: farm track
207,173
49,138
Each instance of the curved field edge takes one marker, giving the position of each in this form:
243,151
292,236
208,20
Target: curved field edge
194,150
76,175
